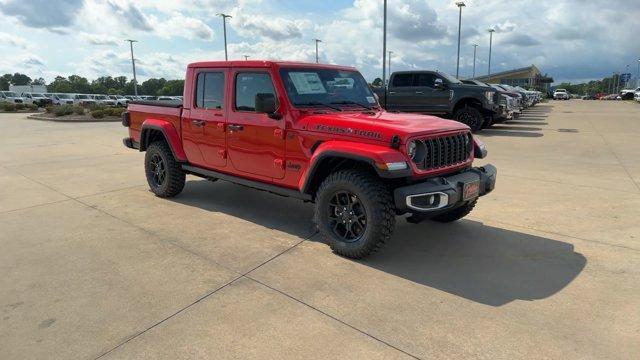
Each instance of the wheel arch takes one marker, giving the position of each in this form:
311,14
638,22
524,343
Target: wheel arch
153,130
467,101
334,156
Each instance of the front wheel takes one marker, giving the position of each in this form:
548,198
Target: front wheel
469,116
354,212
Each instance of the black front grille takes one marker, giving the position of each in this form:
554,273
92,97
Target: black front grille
446,151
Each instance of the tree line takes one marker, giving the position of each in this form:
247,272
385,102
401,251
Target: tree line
118,85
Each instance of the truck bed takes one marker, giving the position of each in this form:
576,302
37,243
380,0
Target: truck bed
141,111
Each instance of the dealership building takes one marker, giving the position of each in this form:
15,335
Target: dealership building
528,77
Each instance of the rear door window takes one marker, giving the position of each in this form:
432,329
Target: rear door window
210,90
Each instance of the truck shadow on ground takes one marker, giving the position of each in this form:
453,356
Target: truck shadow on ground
485,264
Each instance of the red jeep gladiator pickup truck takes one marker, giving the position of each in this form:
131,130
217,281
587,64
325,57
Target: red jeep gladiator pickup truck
317,133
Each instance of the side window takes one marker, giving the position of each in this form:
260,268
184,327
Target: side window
210,90
250,84
402,80
424,80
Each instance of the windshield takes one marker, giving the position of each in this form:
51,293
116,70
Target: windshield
328,87
83,96
449,78
561,90
100,97
63,96
9,93
37,95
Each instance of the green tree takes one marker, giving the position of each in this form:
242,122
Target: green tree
20,79
5,81
172,88
38,81
152,86
377,82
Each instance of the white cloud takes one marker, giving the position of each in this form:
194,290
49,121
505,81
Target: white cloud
13,40
183,26
100,39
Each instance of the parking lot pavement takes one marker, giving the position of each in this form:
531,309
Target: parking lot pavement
546,266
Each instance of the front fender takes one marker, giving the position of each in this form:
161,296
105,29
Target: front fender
374,155
170,134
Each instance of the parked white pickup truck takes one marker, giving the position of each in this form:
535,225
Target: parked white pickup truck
561,94
10,96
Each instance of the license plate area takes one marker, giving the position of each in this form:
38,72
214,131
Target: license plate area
470,190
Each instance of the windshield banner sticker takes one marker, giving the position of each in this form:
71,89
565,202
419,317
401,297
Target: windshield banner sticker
307,83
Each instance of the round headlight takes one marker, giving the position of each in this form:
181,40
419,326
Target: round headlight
416,151
411,149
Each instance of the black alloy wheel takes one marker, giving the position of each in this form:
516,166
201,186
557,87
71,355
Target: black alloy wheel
347,216
158,170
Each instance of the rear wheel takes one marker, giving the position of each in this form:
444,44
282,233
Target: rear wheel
354,213
164,175
469,116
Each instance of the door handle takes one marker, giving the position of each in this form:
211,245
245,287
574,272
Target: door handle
235,127
419,92
198,123
392,92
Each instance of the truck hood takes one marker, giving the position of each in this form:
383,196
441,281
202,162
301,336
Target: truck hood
379,125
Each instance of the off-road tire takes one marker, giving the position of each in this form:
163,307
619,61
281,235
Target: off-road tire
174,177
379,210
455,214
469,116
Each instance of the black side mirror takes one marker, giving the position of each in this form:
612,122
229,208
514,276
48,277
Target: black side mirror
439,84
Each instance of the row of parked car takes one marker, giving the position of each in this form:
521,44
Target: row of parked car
44,99
477,104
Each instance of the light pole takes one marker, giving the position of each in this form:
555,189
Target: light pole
384,44
475,46
317,41
491,31
224,30
133,64
246,57
638,75
460,5
389,67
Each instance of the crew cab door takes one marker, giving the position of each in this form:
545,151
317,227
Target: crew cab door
203,123
255,142
400,93
432,99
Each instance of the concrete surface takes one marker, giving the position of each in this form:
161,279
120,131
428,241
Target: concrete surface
94,266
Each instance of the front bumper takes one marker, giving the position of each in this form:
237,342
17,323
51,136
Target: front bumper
441,194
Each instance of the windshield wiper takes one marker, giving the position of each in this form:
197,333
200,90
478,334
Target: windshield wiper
316,103
350,102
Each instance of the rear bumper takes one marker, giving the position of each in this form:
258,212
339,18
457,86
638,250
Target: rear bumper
440,194
130,143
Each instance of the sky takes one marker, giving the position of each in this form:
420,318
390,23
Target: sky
571,40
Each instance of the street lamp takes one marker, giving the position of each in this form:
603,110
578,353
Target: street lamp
389,67
224,30
317,41
491,31
475,47
133,64
460,5
384,43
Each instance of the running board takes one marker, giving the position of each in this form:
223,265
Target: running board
245,182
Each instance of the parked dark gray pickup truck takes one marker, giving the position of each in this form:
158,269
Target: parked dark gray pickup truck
437,93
